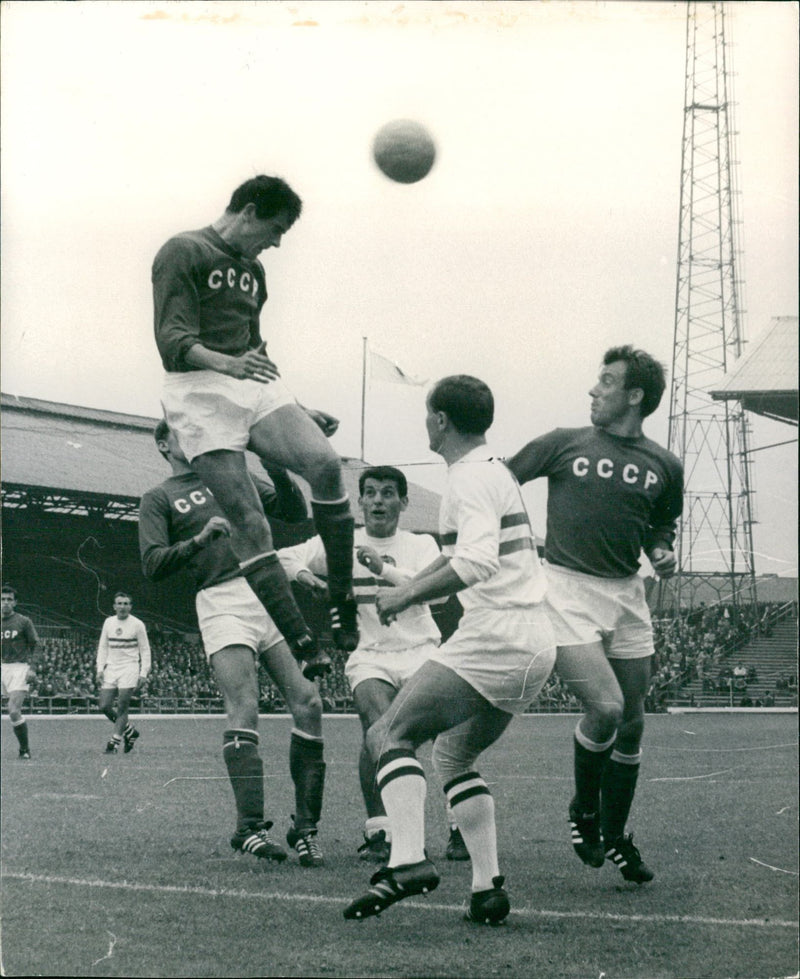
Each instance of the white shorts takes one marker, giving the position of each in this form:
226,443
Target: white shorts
393,666
14,677
505,654
207,410
120,676
586,609
230,615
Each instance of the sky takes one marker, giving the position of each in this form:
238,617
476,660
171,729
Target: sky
545,233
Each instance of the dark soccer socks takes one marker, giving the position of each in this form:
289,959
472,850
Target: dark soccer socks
21,732
619,786
268,580
335,526
246,772
307,769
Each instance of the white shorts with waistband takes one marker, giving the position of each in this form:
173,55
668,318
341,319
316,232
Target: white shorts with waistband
393,666
207,410
14,677
121,675
587,609
506,655
229,614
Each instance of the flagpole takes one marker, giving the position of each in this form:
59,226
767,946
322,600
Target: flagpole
363,392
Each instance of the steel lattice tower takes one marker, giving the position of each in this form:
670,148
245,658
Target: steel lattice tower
710,437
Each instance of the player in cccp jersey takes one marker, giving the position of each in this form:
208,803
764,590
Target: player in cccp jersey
20,648
612,493
222,394
387,655
123,663
181,528
491,668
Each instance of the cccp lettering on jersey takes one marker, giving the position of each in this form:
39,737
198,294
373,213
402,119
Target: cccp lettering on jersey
196,498
233,278
631,473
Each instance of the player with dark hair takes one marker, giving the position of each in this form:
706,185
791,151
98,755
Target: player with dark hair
181,528
491,668
612,493
387,655
222,395
123,664
20,650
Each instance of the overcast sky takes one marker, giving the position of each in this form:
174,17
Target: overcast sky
546,232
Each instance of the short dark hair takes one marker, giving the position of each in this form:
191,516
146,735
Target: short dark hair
384,473
271,195
467,402
122,594
8,590
641,371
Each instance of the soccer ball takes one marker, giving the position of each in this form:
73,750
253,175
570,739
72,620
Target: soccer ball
404,151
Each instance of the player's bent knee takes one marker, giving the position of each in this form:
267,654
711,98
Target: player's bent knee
449,763
307,708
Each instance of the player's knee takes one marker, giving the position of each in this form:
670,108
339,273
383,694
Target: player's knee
307,708
605,716
324,473
375,739
629,735
449,761
14,713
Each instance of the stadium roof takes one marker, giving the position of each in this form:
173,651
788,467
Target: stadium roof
72,457
765,378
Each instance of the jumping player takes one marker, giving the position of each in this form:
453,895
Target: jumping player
612,493
20,649
123,663
387,655
491,668
222,394
181,528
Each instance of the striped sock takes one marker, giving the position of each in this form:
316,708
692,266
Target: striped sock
401,781
473,807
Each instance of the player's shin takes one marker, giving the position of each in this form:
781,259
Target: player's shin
268,580
246,772
335,526
20,728
401,781
618,789
590,763
473,808
307,768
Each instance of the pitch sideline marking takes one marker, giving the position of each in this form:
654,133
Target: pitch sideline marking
428,906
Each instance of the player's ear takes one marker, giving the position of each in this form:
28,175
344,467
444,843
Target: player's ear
635,396
403,502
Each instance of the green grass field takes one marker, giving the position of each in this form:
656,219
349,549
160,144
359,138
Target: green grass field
121,865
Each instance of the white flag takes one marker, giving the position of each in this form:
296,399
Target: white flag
383,369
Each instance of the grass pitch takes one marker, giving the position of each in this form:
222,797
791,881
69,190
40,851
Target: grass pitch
121,865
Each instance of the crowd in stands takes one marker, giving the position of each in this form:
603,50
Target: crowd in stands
699,645
696,645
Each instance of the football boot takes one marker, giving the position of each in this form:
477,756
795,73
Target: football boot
392,884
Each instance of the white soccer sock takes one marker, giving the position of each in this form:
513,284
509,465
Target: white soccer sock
473,807
401,781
